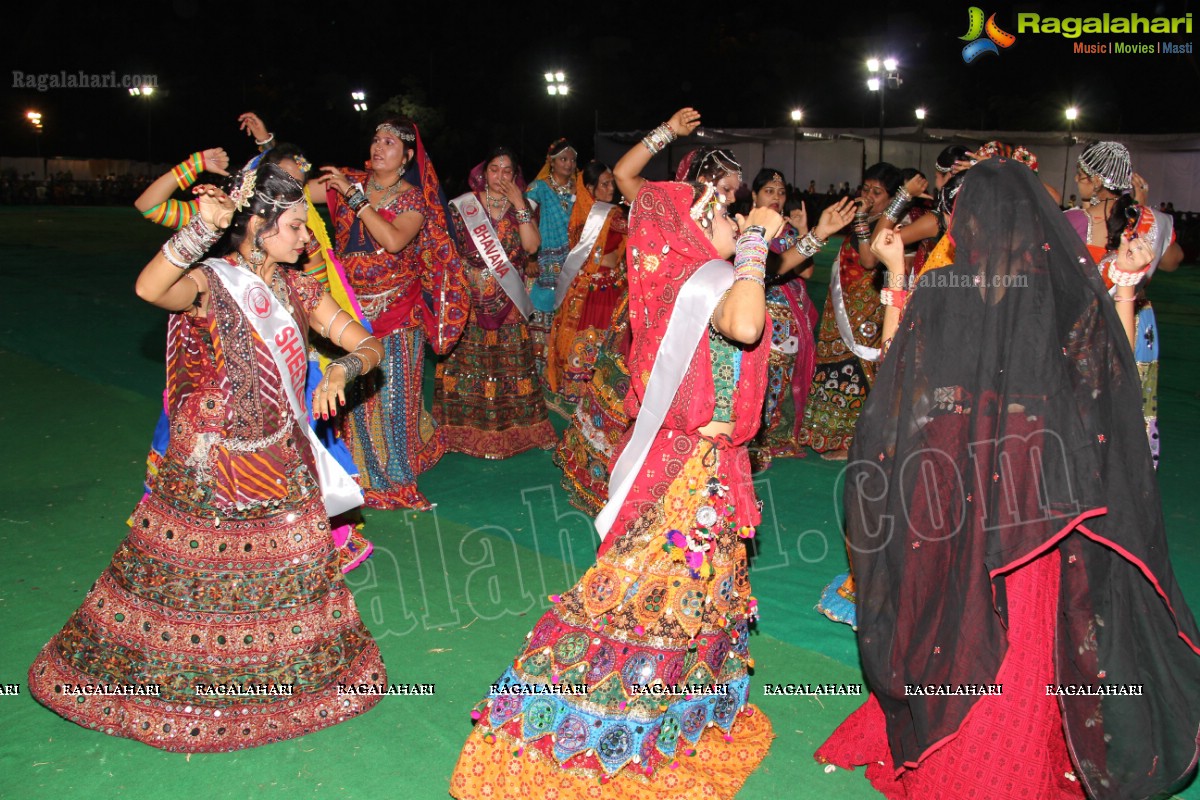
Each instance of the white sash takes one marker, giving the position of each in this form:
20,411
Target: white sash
483,236
282,336
689,320
843,319
579,253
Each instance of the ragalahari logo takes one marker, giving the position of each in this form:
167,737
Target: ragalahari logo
996,38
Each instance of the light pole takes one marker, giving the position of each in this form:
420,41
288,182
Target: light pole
35,119
797,116
879,82
920,112
556,86
145,93
1072,114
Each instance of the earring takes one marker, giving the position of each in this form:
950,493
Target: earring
257,255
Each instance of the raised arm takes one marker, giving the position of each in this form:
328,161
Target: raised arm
742,313
168,281
628,171
156,203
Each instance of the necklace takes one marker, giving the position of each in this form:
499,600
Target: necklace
388,191
564,191
495,202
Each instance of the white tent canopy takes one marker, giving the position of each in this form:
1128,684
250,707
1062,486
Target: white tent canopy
1169,162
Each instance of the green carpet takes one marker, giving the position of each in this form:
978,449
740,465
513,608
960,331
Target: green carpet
450,595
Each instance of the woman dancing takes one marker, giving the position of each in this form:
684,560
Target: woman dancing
668,603
392,239
223,621
1019,624
591,285
487,396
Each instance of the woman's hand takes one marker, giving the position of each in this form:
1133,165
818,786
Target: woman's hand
767,218
966,162
684,121
834,218
330,392
216,160
1141,190
513,192
888,247
216,207
799,219
916,185
334,177
253,126
1133,255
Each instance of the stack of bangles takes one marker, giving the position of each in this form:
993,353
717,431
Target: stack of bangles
1121,277
750,262
895,298
355,363
524,216
862,226
188,170
357,200
809,244
189,244
656,140
899,205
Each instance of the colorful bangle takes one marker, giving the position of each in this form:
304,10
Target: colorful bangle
749,262
896,298
657,140
188,170
524,216
899,205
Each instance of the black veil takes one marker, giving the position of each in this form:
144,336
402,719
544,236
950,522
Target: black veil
1005,422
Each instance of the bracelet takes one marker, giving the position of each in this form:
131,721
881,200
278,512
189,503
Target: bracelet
265,141
357,200
172,213
338,339
190,243
351,364
893,297
188,170
1125,299
172,258
329,324
366,345
524,216
809,245
862,226
750,260
1121,277
657,140
899,205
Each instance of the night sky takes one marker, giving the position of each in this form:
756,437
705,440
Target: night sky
475,79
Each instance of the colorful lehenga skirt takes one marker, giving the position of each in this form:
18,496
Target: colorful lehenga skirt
578,333
635,683
791,350
842,380
391,436
210,633
597,426
487,397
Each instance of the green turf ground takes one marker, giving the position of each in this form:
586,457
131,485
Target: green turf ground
449,595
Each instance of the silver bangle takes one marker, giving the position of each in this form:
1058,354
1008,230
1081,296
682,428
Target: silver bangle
329,324
351,364
338,339
524,216
809,245
171,258
657,140
899,205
